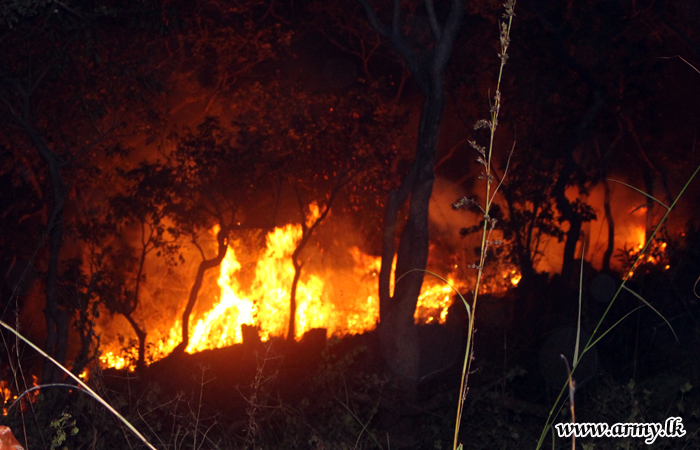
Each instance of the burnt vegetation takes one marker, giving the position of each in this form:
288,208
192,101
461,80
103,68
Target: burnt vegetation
142,144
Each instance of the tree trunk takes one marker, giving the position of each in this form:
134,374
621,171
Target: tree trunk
572,237
141,335
291,331
523,248
397,331
206,264
603,173
56,318
649,188
650,173
307,232
611,226
86,330
565,207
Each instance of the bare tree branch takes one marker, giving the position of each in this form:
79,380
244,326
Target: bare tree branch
399,43
433,19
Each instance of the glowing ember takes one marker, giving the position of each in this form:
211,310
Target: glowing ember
433,302
5,394
655,254
109,359
515,277
640,237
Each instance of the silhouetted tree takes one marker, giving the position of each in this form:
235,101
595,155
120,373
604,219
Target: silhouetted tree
426,50
209,180
330,143
136,207
66,88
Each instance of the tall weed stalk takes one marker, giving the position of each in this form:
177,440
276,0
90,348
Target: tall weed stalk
489,223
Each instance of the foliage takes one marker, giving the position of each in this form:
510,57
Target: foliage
528,217
72,62
61,425
11,12
63,157
205,180
337,410
322,138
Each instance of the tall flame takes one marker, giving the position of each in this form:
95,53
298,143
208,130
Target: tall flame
265,303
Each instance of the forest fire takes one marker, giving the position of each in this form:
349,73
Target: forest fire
655,254
252,286
129,132
6,395
342,300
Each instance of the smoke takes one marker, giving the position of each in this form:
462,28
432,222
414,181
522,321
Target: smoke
444,220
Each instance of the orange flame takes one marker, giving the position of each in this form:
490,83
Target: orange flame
341,299
6,395
433,302
655,253
515,277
